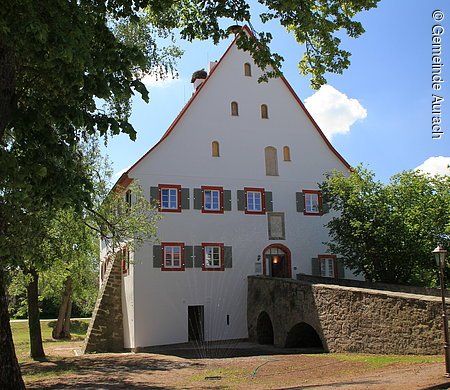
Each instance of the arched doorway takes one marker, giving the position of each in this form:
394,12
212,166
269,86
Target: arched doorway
264,329
303,335
277,261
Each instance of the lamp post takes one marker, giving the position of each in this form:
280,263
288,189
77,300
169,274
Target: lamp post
440,254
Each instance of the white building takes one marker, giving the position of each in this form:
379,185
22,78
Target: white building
236,176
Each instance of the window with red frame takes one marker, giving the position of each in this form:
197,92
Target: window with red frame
313,202
254,201
213,257
169,197
212,199
172,256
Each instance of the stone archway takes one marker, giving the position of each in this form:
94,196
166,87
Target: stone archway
264,329
303,335
277,261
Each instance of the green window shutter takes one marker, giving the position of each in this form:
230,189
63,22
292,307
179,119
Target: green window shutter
154,194
300,199
227,200
188,256
315,266
198,256
185,198
241,200
157,256
198,199
268,204
227,257
325,208
340,269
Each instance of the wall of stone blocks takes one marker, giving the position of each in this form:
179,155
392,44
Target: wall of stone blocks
105,332
348,319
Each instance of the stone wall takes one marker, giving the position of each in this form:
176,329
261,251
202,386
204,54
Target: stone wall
105,332
372,285
348,319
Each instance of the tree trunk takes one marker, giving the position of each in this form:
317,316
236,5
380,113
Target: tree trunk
36,347
66,329
59,332
10,376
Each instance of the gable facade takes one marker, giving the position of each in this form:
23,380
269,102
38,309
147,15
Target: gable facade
236,177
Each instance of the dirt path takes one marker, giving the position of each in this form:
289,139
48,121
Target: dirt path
274,371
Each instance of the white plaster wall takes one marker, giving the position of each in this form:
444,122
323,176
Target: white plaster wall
127,296
184,158
128,305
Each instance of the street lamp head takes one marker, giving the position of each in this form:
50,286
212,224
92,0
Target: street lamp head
440,254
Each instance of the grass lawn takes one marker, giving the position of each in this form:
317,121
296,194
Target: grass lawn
21,337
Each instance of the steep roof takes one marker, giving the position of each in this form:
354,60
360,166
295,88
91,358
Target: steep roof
124,180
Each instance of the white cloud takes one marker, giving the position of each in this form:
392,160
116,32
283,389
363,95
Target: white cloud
333,111
154,81
438,165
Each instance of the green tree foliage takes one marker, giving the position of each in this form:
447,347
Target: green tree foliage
386,232
314,23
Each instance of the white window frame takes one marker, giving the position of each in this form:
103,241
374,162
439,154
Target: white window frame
216,261
312,203
327,267
169,253
169,201
252,194
211,206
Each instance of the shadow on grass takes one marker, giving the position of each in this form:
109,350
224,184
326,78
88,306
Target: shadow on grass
231,349
98,371
442,386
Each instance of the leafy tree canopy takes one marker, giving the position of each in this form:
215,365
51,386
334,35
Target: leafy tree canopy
59,60
386,232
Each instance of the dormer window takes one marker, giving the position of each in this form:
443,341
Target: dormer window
234,109
264,111
247,70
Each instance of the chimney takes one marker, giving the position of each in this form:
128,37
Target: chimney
198,78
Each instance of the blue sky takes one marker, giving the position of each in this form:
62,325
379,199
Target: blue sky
381,105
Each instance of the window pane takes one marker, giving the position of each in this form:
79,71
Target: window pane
165,198
215,202
323,269
257,201
207,195
330,267
250,205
